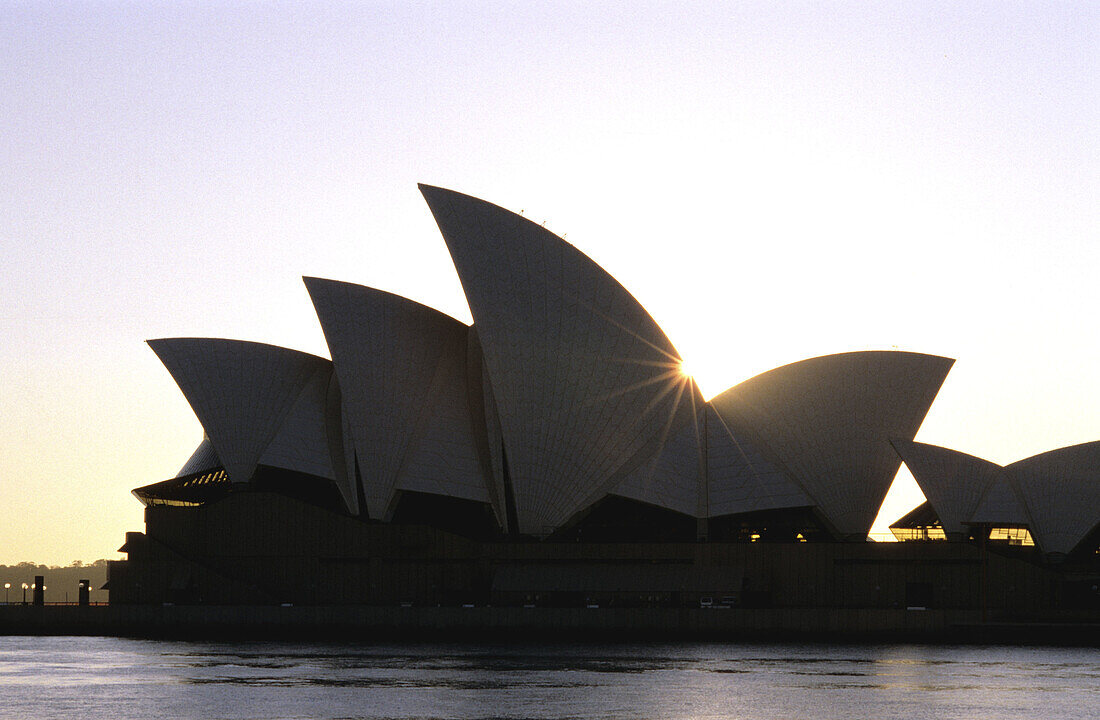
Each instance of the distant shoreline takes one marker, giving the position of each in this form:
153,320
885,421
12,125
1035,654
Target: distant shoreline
61,582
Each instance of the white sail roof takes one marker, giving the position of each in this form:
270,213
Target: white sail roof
740,478
1061,490
304,443
952,482
443,458
241,392
672,476
202,459
401,368
1001,504
828,421
706,469
582,376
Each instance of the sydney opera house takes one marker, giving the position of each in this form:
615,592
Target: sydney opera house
554,453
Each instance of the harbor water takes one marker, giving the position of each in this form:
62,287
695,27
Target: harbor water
120,679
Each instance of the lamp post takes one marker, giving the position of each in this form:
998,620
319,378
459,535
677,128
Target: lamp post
7,587
24,593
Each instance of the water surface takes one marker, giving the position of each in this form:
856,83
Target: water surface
120,679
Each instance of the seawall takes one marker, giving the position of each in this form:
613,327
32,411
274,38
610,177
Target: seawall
502,624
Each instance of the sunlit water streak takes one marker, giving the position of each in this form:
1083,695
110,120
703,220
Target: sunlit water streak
62,677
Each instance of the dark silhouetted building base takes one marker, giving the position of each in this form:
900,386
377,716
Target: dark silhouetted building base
311,566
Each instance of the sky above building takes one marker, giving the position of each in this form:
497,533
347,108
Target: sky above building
772,181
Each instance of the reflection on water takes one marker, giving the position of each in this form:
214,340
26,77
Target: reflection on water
122,679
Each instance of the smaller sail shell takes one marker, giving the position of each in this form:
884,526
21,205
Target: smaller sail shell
828,421
242,392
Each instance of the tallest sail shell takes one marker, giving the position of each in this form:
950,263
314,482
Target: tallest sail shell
583,378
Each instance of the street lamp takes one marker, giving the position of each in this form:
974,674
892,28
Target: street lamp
24,593
7,586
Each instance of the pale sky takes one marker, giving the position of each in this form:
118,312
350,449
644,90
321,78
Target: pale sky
772,181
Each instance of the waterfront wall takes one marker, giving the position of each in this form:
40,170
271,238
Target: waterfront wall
502,624
264,549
